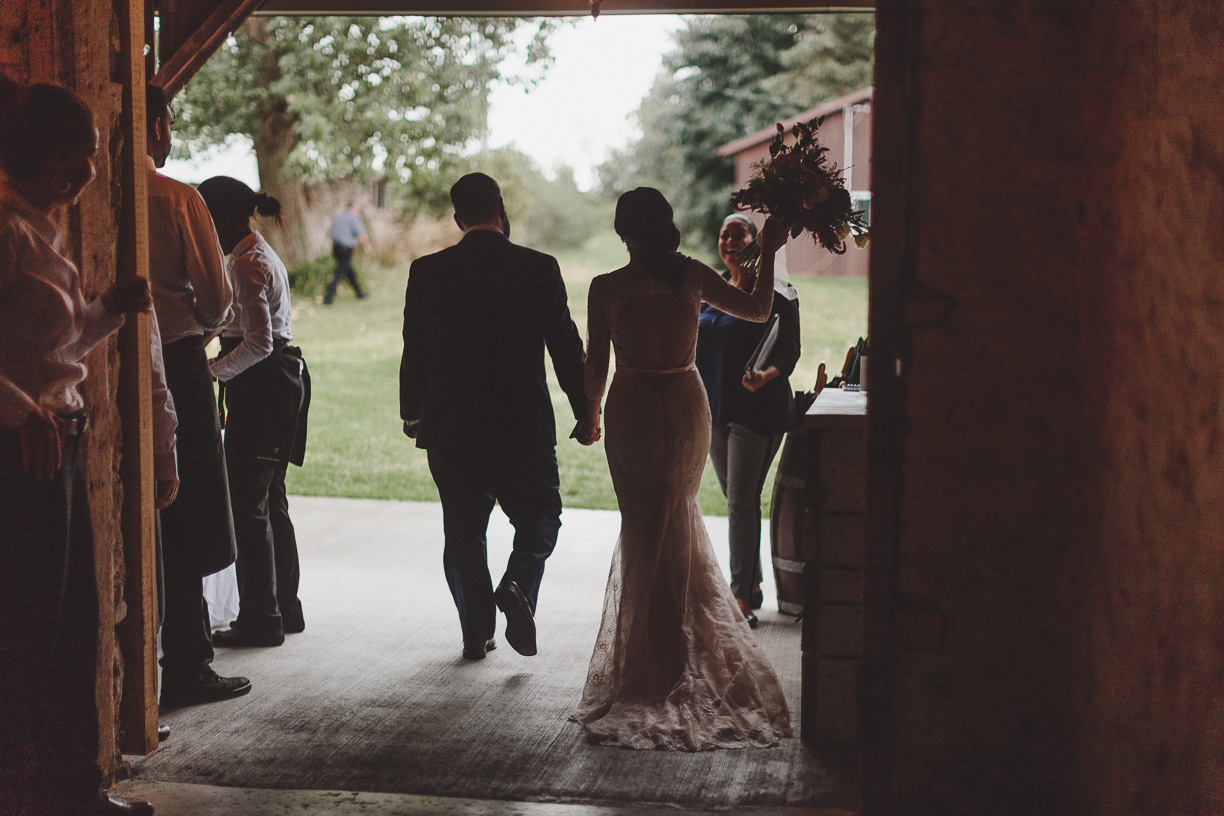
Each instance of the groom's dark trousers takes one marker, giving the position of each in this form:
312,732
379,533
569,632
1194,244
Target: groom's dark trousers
528,489
478,317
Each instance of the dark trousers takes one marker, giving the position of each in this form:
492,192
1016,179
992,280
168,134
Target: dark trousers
48,638
268,569
528,488
344,271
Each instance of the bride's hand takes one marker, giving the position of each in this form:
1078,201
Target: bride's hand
773,236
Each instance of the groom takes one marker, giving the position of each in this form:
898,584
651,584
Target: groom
477,318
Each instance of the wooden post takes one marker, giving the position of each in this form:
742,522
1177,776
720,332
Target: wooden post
138,630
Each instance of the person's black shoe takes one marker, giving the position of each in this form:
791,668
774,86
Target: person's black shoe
476,649
243,638
209,687
163,732
520,618
362,295
758,598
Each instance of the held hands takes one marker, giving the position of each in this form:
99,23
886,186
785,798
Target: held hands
586,431
128,297
773,236
41,445
411,426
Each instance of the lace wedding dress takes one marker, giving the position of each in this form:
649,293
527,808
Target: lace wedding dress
675,665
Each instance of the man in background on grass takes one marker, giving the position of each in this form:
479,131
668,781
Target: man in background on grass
347,230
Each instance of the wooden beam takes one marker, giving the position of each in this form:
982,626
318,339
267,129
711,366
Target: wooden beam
178,67
556,8
137,632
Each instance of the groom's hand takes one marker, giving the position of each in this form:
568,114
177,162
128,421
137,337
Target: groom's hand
410,427
586,432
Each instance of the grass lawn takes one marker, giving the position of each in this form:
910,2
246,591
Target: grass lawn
353,347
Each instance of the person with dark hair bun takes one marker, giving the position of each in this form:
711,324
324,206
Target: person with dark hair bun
265,390
675,665
48,591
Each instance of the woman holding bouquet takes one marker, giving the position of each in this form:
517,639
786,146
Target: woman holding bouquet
674,667
749,410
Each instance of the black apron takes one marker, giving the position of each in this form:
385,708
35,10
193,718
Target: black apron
266,406
198,528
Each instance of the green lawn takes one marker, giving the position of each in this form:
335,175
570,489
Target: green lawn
353,348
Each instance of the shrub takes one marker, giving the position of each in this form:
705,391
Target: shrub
310,278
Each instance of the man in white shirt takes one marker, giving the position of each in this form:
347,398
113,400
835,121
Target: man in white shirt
192,298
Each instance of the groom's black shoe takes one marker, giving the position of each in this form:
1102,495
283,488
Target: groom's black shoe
520,618
475,649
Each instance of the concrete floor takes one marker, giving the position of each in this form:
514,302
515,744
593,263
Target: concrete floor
173,799
585,531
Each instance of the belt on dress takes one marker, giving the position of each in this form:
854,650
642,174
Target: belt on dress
634,370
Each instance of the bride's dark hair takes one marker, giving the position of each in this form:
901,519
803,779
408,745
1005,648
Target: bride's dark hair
644,222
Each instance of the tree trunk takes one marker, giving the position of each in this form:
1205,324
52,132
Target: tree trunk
274,142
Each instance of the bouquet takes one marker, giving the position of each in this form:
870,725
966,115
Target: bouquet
804,191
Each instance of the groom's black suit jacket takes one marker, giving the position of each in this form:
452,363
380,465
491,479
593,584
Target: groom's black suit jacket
477,318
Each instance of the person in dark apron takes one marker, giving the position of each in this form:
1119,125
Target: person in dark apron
266,391
48,589
192,297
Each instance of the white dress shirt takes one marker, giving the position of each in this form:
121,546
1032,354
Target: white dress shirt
46,328
261,289
191,293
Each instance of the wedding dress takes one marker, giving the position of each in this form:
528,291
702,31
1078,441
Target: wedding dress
675,665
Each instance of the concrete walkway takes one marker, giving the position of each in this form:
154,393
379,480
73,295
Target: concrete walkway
371,710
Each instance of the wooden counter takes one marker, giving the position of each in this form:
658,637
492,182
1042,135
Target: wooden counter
834,547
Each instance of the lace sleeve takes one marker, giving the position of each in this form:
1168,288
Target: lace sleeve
725,297
599,340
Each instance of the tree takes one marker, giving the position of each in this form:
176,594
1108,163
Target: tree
729,77
325,98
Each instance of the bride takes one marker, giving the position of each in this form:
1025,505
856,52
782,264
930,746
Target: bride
675,665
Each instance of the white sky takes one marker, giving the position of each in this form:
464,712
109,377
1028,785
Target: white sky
582,109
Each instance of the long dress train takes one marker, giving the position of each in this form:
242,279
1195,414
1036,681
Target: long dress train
675,665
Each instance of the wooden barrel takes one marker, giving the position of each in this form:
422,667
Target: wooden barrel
786,525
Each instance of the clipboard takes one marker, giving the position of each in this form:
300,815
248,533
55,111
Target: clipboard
764,348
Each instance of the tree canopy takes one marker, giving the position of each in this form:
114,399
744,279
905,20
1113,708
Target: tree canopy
355,97
727,77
